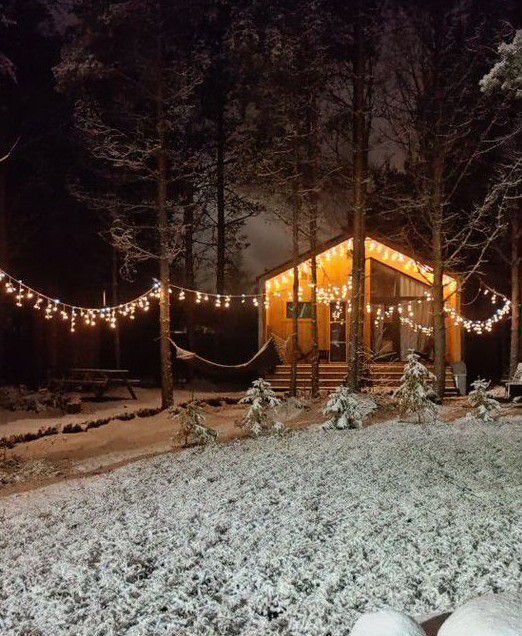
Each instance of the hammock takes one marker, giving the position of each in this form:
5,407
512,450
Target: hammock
263,361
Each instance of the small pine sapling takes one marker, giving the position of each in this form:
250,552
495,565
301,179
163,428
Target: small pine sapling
260,417
346,410
194,430
485,408
414,394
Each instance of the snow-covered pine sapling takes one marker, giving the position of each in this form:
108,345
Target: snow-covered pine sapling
345,410
485,408
194,430
260,417
414,394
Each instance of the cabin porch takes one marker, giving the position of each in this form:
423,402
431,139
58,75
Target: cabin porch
380,375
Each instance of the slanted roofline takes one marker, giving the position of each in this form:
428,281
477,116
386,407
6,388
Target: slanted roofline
375,245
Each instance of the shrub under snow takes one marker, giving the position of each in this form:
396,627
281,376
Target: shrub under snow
485,408
416,390
193,427
261,416
346,409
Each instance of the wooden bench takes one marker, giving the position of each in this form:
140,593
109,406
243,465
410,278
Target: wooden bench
97,380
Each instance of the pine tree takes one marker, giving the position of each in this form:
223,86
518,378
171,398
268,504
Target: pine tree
346,410
503,84
416,390
506,74
436,56
193,427
485,408
133,70
260,417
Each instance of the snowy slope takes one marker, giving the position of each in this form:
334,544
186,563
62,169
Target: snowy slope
294,536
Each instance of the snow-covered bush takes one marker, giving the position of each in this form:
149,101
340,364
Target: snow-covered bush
20,398
485,408
413,397
346,410
506,74
260,417
194,430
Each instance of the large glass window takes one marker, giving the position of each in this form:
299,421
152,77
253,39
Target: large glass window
304,310
338,331
391,338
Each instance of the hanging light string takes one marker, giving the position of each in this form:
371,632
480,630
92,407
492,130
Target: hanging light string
475,326
481,326
218,300
331,294
73,314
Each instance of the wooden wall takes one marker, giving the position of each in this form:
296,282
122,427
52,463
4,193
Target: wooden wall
334,269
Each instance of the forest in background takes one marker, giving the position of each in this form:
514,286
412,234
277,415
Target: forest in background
141,138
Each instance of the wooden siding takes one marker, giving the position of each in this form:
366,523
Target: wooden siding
334,269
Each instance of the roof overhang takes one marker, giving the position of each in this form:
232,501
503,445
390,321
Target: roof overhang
380,250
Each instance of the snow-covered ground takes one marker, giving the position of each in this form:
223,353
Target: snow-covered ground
272,536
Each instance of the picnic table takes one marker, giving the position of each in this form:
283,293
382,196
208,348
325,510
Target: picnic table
97,380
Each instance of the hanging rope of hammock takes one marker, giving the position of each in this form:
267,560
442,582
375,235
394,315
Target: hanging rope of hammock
265,360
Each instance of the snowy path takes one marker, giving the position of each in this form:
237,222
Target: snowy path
295,536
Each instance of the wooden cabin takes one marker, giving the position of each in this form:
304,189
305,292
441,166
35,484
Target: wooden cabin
398,312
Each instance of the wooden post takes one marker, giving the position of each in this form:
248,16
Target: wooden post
514,350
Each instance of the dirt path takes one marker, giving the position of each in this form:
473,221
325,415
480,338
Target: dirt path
67,456
97,450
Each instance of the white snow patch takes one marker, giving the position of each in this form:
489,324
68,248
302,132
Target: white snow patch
491,615
386,623
295,535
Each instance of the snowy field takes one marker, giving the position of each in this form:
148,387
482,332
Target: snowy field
295,536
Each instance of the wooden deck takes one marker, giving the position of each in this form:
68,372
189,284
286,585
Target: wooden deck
331,375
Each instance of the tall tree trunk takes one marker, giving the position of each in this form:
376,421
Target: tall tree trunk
313,299
515,294
295,290
4,260
188,251
188,223
115,301
4,253
220,194
167,380
360,151
439,316
311,185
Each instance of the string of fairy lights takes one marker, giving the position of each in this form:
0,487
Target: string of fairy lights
51,308
337,297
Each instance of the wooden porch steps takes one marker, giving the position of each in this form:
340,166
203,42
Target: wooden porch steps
331,375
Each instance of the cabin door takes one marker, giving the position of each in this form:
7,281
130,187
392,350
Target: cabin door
338,331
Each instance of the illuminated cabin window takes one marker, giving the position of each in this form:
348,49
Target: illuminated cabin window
304,310
391,339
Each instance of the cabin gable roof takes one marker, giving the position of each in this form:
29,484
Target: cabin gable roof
382,250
